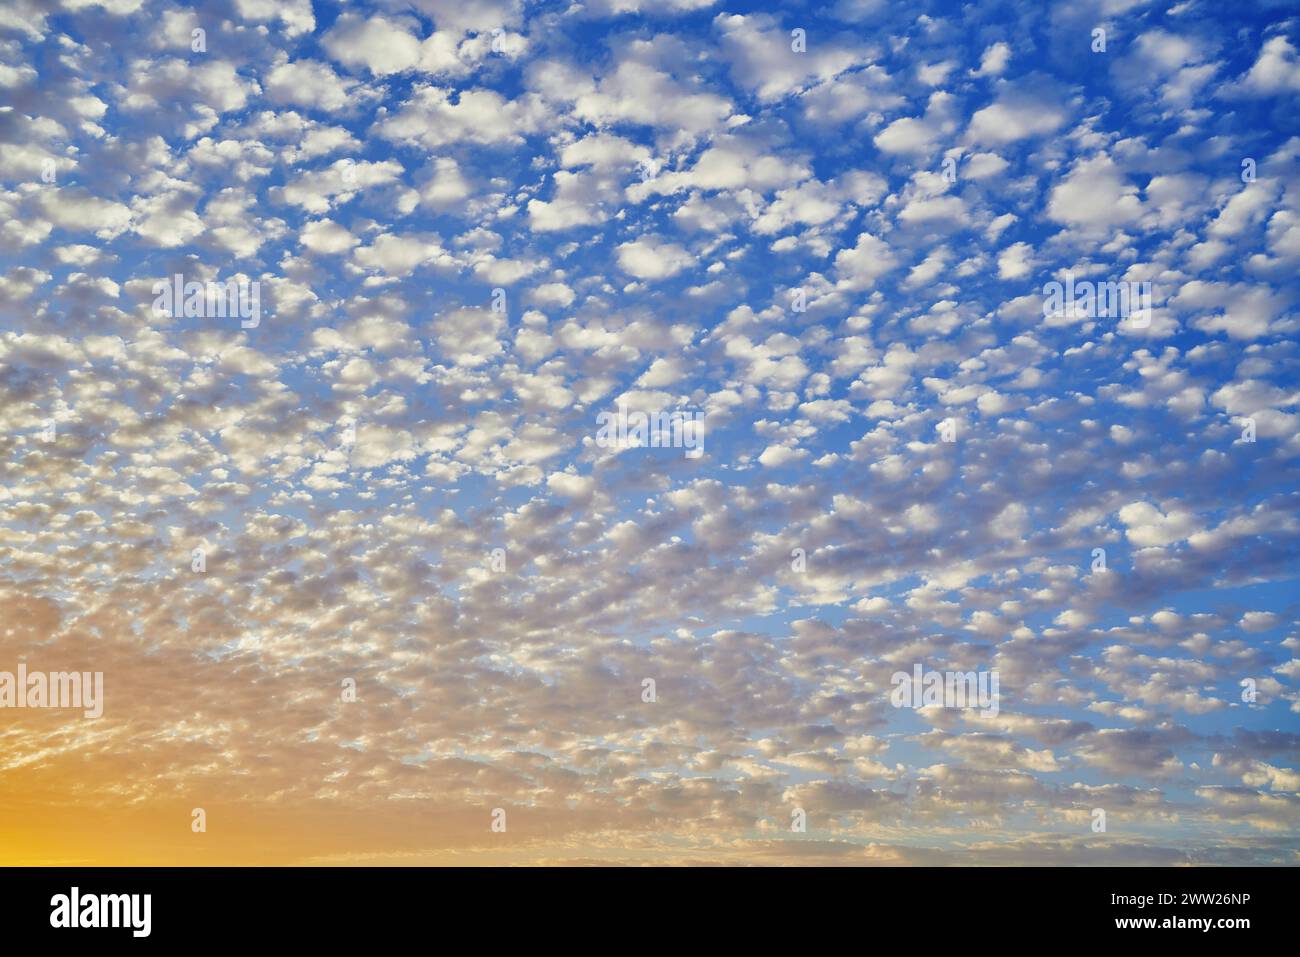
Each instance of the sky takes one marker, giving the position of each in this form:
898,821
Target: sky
365,582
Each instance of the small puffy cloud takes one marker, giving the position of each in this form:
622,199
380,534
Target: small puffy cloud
1276,71
775,456
434,117
1239,310
868,260
399,255
1149,526
1020,112
1094,194
307,83
916,135
653,259
326,236
551,294
469,337
994,60
318,190
377,44
295,16
1011,523
1016,261
760,52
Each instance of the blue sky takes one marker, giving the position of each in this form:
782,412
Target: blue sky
652,191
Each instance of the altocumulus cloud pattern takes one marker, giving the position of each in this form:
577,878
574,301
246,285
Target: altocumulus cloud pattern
485,431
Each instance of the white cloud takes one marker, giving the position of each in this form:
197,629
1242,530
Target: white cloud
327,236
652,259
1094,194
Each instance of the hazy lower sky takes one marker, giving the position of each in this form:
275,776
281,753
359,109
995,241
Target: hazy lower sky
365,584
